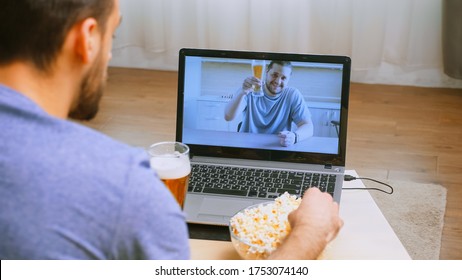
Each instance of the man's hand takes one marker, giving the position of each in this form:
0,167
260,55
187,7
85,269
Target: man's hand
317,211
314,224
249,84
286,138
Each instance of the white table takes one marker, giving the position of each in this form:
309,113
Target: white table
327,145
366,233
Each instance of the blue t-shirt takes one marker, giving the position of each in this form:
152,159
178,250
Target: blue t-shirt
69,192
271,115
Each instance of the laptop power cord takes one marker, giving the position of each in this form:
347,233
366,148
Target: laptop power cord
352,178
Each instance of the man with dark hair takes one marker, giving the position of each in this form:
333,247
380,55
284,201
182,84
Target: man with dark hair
66,191
280,110
69,192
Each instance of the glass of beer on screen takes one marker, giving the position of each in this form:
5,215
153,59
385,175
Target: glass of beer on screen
171,162
258,68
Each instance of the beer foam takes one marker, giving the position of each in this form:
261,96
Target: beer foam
171,166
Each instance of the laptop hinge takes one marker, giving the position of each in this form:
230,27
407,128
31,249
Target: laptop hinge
328,166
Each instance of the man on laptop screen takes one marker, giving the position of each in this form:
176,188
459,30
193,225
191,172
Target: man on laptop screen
279,110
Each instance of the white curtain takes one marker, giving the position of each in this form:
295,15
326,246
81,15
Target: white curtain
389,41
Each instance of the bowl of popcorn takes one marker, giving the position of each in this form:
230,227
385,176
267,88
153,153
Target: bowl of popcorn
258,230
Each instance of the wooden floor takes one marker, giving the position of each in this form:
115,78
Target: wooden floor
395,132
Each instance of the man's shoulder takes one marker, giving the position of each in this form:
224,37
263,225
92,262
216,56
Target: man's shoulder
82,139
59,145
102,152
292,90
293,94
94,139
36,139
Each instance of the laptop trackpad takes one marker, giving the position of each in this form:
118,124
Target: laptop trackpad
226,207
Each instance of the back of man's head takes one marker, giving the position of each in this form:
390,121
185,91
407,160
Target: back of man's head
34,30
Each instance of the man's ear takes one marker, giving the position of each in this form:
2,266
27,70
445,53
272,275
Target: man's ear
88,40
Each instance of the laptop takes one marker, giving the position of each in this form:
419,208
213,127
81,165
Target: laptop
225,160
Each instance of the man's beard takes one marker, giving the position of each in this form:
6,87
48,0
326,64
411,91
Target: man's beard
270,89
91,90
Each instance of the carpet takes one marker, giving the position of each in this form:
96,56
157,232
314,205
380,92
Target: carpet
416,214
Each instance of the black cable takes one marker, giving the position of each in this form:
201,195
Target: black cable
351,178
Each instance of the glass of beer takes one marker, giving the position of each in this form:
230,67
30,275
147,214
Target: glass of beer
258,68
171,162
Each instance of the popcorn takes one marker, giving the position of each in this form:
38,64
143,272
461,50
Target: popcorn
263,227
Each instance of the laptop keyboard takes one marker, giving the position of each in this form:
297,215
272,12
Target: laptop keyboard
254,182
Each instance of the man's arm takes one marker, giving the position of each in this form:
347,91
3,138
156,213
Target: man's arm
314,224
237,104
304,131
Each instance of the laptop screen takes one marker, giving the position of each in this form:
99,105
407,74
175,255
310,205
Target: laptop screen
209,81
